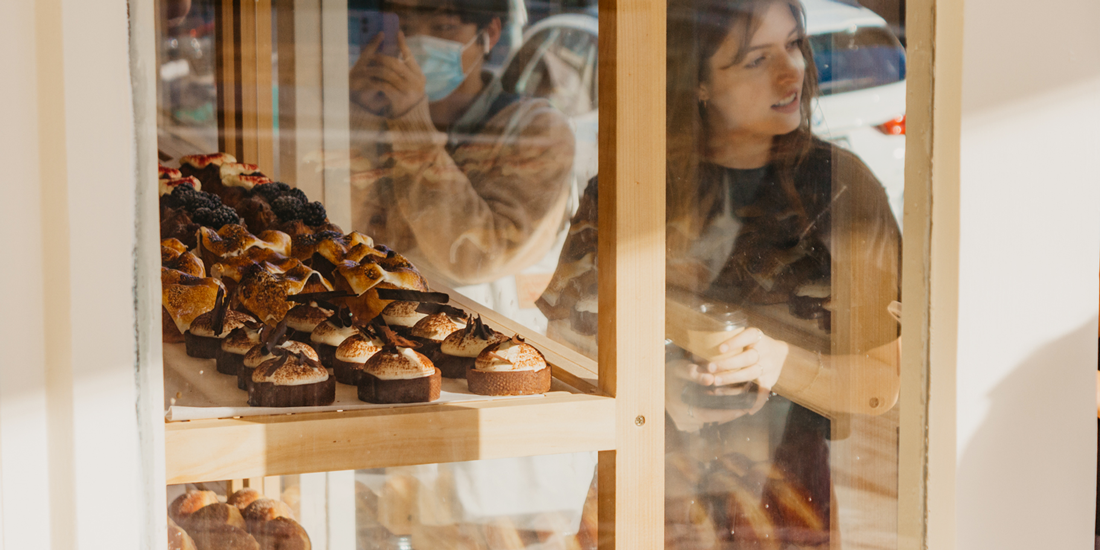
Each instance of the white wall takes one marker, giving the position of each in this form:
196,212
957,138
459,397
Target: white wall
1029,258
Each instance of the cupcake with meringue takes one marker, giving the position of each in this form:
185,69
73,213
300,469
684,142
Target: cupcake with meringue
231,354
461,348
402,316
204,337
260,354
399,374
353,353
302,319
330,334
291,379
511,367
432,330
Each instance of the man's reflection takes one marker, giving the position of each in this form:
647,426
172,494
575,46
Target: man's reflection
466,180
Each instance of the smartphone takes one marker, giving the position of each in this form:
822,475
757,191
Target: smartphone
374,22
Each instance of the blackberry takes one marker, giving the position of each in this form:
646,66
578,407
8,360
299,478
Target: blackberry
201,199
287,208
179,195
314,214
297,194
271,191
216,218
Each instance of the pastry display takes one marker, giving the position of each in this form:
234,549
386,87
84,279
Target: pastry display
255,276
399,374
204,337
189,503
432,330
353,353
461,348
231,354
302,319
511,367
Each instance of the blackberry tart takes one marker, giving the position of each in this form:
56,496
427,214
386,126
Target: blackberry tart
206,168
461,348
291,380
512,367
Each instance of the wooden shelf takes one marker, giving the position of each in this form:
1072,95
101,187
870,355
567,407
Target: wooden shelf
559,422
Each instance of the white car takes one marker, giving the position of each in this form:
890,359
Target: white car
860,63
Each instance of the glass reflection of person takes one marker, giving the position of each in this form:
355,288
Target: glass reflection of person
468,180
795,231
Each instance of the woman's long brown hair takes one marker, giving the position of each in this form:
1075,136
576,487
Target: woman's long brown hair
696,28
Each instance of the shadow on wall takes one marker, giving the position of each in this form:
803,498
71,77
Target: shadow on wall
1028,49
1015,438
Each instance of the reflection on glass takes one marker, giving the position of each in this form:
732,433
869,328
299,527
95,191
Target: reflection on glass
469,175
784,433
187,119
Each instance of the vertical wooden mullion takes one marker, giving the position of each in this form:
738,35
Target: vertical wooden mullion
226,62
265,114
631,267
930,274
300,106
336,111
249,79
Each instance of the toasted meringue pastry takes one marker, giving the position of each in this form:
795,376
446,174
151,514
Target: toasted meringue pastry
186,302
233,240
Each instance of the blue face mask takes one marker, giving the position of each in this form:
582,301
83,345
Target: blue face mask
441,62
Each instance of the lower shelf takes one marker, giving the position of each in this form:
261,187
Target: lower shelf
559,422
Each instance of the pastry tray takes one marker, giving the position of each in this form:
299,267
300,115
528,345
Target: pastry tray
194,390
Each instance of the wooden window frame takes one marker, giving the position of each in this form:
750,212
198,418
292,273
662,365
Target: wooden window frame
74,104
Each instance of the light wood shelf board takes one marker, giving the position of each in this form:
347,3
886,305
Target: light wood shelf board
559,422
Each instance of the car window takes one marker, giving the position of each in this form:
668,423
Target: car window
558,64
856,59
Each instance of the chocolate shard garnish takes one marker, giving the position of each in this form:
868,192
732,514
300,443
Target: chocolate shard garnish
393,341
480,329
221,307
403,295
317,296
343,317
273,335
431,308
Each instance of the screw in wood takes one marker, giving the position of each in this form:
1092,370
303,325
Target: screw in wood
639,420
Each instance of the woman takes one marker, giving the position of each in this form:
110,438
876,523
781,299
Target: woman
797,233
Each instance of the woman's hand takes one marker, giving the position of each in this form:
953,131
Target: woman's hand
688,418
760,360
385,85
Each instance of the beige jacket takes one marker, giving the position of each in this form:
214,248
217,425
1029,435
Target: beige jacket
478,203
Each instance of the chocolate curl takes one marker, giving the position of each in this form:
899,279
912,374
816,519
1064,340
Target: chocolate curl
221,306
404,295
273,335
343,318
477,328
432,308
318,296
393,341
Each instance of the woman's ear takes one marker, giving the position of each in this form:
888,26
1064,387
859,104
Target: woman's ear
702,94
492,35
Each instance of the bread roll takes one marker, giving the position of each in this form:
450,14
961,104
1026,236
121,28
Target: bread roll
189,503
282,533
214,515
264,510
178,539
241,499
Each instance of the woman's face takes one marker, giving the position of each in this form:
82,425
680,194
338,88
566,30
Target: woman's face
759,95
